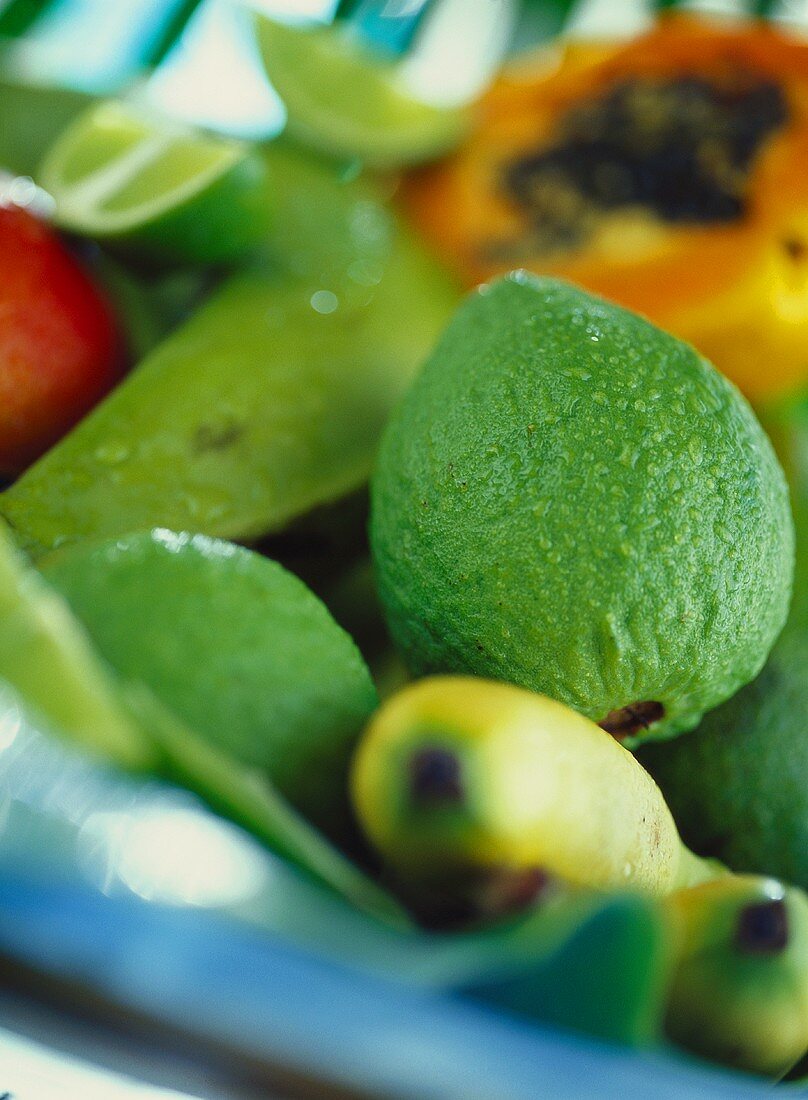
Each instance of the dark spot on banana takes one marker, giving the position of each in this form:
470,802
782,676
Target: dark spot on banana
762,928
435,777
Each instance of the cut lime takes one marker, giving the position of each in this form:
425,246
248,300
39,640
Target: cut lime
119,174
348,101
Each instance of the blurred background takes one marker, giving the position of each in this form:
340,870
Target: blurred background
208,69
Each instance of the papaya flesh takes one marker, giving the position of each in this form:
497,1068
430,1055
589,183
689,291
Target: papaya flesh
666,174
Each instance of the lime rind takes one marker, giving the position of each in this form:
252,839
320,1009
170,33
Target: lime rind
119,173
46,656
346,101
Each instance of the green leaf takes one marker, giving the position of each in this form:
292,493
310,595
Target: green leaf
608,976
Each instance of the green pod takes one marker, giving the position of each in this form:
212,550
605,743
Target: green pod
271,399
739,993
234,646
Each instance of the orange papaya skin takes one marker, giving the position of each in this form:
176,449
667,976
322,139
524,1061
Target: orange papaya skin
735,287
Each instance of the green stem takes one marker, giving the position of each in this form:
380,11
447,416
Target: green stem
693,870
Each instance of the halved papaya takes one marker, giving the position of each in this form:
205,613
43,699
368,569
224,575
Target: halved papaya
668,173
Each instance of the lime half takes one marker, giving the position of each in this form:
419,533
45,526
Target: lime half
345,100
118,173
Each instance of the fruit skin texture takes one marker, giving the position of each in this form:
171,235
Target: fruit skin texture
740,987
233,645
737,787
59,348
573,501
734,286
534,786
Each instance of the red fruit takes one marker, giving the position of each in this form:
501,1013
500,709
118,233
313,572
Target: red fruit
60,350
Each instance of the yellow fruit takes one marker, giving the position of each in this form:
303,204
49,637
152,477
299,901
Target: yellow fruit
459,778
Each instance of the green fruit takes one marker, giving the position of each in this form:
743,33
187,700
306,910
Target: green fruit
740,987
46,656
343,98
271,399
121,174
738,787
573,501
236,647
475,792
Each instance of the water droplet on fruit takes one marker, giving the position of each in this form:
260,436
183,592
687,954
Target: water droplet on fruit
111,454
365,273
324,301
696,451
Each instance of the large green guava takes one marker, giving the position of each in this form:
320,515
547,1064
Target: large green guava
574,501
